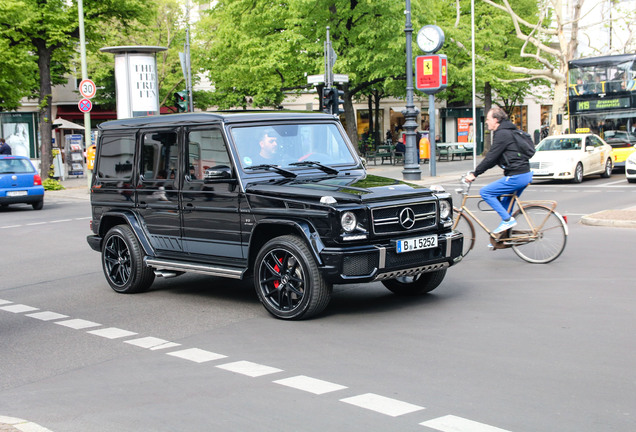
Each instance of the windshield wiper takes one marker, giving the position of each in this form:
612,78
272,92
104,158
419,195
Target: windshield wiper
276,168
324,168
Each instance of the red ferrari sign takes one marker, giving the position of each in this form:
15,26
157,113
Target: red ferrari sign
431,73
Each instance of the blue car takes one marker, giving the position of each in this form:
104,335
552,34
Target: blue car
20,182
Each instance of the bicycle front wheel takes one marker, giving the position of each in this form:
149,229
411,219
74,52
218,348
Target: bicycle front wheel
540,235
466,227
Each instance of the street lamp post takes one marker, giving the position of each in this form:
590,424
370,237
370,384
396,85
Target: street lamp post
411,167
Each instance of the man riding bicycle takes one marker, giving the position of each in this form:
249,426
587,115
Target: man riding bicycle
505,153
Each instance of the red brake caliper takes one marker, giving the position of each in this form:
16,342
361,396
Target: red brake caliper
277,283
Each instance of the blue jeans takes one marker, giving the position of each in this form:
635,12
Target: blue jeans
505,185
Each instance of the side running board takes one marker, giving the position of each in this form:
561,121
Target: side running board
182,266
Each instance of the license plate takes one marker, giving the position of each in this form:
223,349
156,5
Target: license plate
16,193
416,243
540,171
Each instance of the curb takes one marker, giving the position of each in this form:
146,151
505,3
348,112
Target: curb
11,424
611,218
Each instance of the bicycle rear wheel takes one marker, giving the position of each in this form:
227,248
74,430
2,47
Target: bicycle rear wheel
550,238
466,227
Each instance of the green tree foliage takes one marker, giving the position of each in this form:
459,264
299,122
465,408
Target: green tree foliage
49,31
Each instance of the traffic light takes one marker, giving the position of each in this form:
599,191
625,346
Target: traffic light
337,101
326,100
181,101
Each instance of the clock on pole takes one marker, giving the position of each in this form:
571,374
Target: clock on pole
430,38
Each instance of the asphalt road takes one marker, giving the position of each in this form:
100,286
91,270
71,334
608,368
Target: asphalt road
501,345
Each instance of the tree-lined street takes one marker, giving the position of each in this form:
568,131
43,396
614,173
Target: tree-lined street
502,343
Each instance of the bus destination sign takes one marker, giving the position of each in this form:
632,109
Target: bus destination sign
600,104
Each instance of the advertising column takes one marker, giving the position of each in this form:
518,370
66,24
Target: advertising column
136,80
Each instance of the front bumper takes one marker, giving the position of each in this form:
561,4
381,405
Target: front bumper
381,261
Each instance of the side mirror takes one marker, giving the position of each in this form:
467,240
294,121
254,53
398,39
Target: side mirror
219,172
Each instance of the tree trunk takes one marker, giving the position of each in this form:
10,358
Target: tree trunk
487,106
45,122
378,127
350,118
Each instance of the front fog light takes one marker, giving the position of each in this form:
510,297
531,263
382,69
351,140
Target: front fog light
348,221
444,209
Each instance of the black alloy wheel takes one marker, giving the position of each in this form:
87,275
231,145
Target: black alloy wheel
288,281
122,261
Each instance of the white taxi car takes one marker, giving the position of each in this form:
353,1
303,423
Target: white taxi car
630,168
571,157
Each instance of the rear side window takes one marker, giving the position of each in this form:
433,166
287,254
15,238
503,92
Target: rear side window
15,166
116,157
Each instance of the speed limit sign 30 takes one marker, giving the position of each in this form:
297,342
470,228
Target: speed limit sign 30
87,88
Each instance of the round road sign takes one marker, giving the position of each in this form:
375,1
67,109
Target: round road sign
85,105
87,88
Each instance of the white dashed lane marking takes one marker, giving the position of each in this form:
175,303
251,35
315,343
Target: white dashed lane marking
112,333
311,385
196,355
381,404
47,316
250,369
151,343
18,308
370,401
451,423
44,222
77,324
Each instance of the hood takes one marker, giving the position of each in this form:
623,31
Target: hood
556,156
351,189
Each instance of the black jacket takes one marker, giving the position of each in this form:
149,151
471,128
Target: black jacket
504,152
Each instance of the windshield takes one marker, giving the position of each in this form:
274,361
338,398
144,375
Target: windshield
15,166
551,144
283,145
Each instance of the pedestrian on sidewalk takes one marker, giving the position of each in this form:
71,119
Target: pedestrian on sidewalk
516,166
5,149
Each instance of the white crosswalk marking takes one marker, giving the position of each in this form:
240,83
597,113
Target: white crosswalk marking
77,324
18,308
381,404
250,369
196,355
451,423
4,302
47,316
311,385
112,333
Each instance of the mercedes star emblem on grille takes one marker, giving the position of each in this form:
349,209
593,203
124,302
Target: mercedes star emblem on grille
407,218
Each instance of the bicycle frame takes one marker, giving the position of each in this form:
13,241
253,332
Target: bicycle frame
517,237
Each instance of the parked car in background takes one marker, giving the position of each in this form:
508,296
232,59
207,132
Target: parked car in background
630,168
623,144
571,157
19,182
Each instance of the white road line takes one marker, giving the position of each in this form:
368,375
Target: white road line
5,302
112,333
47,316
311,385
10,226
36,223
147,342
77,324
18,308
60,220
250,369
451,423
196,355
381,404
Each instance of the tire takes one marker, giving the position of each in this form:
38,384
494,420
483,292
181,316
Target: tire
38,205
287,279
607,172
122,261
466,227
631,180
578,173
550,239
414,285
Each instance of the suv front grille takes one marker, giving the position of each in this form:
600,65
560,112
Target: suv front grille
386,220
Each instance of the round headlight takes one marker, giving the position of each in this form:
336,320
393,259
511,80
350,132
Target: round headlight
445,209
348,221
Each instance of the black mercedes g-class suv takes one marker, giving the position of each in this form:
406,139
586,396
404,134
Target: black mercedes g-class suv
279,197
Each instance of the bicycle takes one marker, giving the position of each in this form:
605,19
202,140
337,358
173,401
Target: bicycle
539,236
